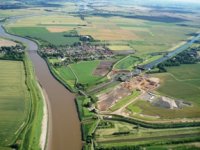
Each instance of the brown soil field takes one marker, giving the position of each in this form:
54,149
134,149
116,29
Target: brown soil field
106,100
8,43
59,29
103,68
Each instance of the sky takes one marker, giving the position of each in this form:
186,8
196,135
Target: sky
191,1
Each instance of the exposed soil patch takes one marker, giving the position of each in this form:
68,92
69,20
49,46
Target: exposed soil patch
107,99
164,102
7,43
103,68
59,29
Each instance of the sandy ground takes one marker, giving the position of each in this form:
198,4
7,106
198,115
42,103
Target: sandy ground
45,138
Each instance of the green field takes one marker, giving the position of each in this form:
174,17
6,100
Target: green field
43,34
14,101
81,72
182,82
127,63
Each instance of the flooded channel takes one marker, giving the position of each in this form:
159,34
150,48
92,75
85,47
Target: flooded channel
65,133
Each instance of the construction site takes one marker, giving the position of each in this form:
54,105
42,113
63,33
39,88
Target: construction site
124,89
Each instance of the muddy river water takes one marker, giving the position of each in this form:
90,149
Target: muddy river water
64,125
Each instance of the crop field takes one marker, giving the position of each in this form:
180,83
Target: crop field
119,47
142,36
43,34
4,42
48,21
83,72
14,101
15,12
127,63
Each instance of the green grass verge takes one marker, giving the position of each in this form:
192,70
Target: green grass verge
31,135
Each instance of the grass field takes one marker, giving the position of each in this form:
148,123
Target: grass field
81,72
182,82
43,34
14,100
127,63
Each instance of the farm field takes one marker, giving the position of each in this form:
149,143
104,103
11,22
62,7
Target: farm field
14,101
4,42
43,34
81,72
142,36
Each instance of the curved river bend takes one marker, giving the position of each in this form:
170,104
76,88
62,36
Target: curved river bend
65,133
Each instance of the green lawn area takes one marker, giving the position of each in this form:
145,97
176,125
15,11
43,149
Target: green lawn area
127,63
43,34
124,101
14,103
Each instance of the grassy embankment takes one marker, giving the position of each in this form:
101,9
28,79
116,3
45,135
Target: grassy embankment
31,135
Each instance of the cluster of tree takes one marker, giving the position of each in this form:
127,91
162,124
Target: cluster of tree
127,147
121,133
105,124
13,52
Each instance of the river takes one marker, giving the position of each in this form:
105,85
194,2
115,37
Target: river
64,125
